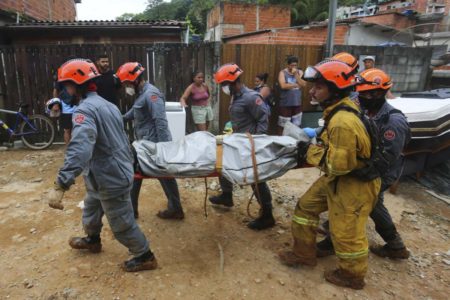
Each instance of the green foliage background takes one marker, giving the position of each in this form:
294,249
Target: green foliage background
195,11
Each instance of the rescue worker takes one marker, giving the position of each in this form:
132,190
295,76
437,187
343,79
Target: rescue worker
150,123
348,199
248,113
352,62
394,129
99,149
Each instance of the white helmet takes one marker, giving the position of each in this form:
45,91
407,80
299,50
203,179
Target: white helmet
53,107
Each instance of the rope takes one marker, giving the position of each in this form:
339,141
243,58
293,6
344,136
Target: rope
255,173
206,197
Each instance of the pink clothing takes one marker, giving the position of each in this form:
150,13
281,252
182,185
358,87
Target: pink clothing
199,96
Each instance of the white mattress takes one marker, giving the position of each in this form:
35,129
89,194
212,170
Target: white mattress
422,109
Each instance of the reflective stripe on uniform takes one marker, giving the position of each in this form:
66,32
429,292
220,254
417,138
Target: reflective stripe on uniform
304,221
352,255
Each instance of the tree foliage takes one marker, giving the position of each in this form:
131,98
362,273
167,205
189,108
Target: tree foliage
195,11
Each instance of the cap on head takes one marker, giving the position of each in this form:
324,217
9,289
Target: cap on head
369,57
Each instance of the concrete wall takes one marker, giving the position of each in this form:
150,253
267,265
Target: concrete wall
43,10
409,67
360,34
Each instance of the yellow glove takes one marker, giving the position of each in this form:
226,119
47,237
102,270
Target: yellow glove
55,196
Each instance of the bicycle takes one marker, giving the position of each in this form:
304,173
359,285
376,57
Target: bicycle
36,131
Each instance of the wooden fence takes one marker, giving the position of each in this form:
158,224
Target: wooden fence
271,59
27,72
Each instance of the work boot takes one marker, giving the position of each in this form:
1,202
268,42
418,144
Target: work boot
345,279
91,243
167,214
289,258
265,221
324,228
386,251
146,261
225,199
324,248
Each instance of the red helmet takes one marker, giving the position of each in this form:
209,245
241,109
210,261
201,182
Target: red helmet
348,59
129,71
373,79
77,70
333,71
227,73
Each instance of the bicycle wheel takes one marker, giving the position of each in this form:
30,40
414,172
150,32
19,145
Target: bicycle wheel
39,137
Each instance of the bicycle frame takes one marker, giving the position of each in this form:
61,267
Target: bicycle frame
20,117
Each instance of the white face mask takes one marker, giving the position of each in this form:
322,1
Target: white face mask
130,91
226,89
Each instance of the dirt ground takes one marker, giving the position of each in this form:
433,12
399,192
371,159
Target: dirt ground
37,262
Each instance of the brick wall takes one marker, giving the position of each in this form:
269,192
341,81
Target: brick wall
421,6
390,19
45,10
294,36
213,18
228,31
269,16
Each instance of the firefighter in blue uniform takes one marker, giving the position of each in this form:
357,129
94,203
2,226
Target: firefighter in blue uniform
150,123
100,150
248,113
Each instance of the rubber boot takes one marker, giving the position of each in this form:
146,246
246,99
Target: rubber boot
289,258
325,247
91,243
173,215
224,199
146,261
345,279
264,221
386,251
394,248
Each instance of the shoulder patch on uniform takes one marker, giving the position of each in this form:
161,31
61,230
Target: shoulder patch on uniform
258,101
389,134
79,118
153,98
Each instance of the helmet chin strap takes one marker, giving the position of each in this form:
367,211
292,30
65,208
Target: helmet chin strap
329,101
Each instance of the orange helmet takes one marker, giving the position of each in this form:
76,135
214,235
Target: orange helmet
333,71
77,70
348,59
373,79
228,73
129,71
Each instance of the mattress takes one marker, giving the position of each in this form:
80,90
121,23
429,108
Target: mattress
429,119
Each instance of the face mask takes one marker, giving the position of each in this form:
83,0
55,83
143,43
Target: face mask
372,105
226,89
130,91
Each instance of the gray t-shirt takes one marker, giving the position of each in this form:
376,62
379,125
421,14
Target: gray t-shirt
290,97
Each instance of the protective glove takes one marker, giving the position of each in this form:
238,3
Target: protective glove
302,148
311,132
55,196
